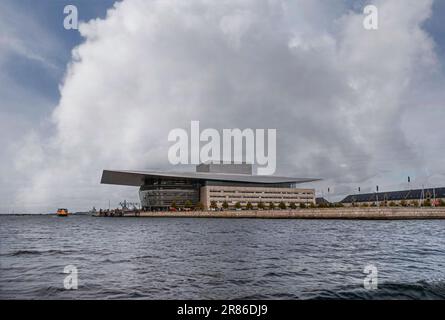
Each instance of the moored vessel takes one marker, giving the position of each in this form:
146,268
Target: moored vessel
62,212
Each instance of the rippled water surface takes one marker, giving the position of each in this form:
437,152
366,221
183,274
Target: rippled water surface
164,258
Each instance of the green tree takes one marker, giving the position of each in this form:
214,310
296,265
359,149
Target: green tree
403,203
238,205
312,205
271,205
188,204
441,203
249,206
415,203
225,205
302,205
213,204
261,205
427,203
174,205
292,205
199,206
338,205
392,204
282,205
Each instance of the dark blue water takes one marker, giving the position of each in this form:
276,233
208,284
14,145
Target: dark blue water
155,258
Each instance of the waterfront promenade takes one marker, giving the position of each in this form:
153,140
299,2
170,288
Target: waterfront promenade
382,213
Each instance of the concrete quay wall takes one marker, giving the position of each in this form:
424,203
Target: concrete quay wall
386,213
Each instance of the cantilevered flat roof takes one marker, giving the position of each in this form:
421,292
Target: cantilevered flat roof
136,178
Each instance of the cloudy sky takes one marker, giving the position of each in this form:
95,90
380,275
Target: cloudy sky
352,106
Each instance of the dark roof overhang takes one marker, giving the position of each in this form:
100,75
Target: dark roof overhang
137,178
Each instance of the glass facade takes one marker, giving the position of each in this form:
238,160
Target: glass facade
161,193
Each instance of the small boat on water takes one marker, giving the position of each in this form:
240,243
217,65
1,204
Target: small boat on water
62,212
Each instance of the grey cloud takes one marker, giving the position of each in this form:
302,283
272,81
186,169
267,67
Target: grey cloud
334,92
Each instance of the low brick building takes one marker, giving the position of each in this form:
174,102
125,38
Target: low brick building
407,197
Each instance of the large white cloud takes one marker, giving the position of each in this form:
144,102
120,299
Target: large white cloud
336,93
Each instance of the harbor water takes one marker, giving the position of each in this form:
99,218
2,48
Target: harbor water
201,258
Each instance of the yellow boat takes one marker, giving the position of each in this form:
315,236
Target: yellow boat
62,212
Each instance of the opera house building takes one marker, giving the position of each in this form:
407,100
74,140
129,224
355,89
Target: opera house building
214,183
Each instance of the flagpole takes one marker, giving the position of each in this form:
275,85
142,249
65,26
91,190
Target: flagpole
377,196
422,196
434,197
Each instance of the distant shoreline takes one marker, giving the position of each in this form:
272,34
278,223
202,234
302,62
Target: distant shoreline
44,214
